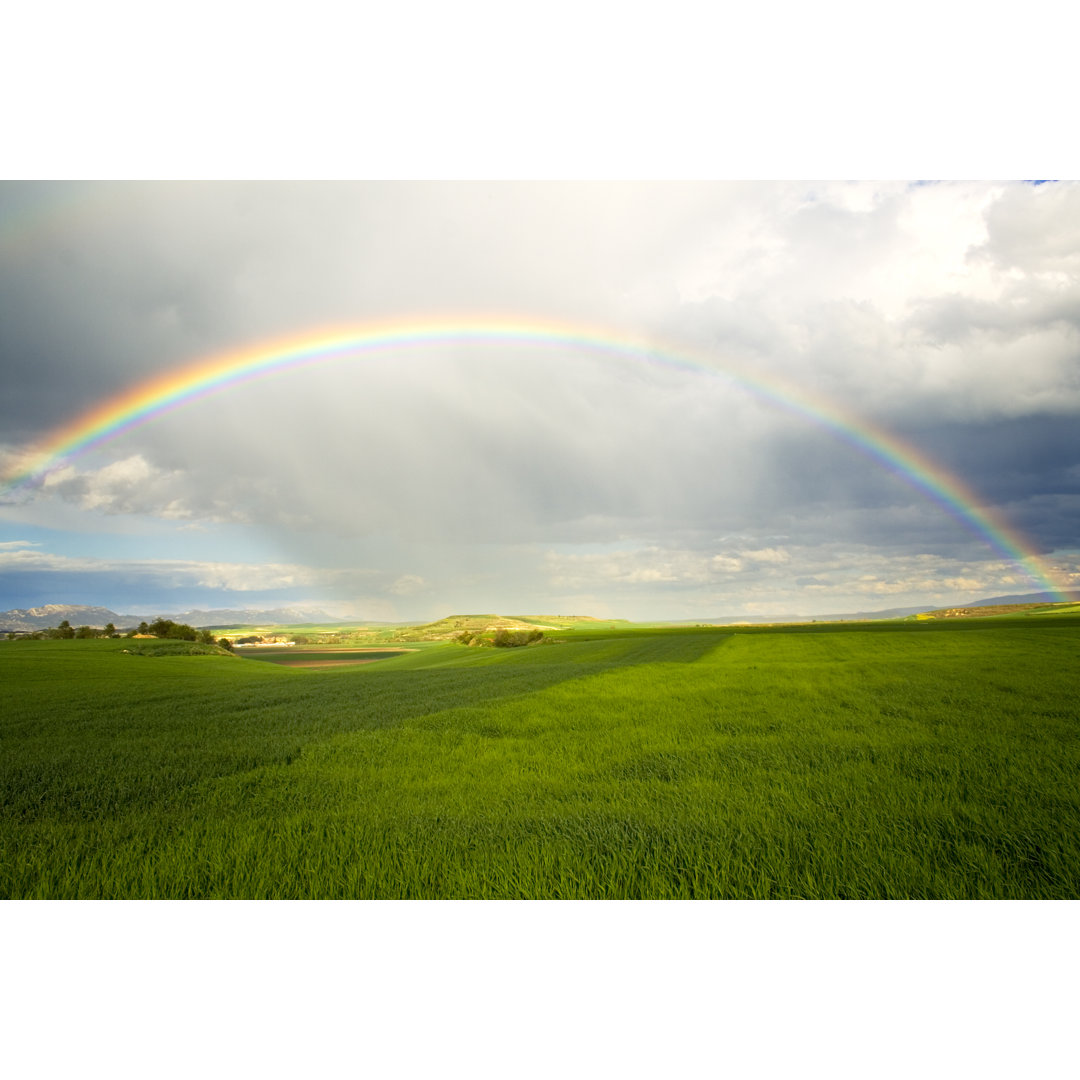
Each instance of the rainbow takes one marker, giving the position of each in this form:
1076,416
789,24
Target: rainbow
155,397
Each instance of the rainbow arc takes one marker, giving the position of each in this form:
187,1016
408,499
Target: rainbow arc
142,403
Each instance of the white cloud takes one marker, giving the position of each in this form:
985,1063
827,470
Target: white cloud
768,555
1034,231
237,577
654,565
726,564
407,585
798,580
130,485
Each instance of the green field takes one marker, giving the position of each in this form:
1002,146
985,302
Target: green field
884,760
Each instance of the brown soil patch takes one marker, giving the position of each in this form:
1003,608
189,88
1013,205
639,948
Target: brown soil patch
329,663
295,657
982,612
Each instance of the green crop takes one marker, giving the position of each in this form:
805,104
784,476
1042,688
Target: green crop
900,760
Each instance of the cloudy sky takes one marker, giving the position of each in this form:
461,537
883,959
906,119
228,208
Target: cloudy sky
541,477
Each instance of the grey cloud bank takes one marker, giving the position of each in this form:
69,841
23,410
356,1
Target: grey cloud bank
541,477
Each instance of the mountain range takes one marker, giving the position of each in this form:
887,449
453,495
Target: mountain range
41,618
49,615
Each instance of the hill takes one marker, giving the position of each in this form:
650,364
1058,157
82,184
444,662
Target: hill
1028,600
847,616
985,610
446,628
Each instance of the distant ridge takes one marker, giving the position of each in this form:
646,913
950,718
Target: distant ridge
889,613
847,616
1027,598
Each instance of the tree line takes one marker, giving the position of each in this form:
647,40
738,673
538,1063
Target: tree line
501,639
159,628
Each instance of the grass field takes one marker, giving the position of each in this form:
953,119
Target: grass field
887,760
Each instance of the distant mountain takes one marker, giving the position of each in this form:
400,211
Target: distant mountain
244,616
41,618
49,615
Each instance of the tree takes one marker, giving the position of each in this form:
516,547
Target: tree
110,630
64,630
166,628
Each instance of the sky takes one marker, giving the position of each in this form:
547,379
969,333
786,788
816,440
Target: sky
529,476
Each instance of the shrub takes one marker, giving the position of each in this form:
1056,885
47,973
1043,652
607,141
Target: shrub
174,647
505,639
501,639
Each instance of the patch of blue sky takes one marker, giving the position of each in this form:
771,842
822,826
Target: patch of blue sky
100,536
139,593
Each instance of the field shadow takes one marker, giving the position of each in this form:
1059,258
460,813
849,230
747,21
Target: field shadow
134,750
398,695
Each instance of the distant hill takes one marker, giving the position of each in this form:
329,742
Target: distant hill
1027,598
245,616
847,616
444,629
871,616
992,610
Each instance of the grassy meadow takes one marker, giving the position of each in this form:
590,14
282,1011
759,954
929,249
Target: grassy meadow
935,759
